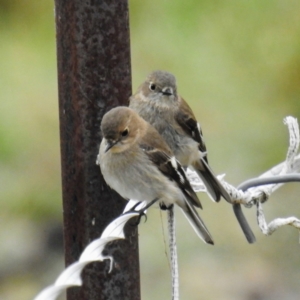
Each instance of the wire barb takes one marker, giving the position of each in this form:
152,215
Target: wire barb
258,190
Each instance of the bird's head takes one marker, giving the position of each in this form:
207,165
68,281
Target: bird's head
120,128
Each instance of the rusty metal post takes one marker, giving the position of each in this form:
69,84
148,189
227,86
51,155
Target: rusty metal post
93,51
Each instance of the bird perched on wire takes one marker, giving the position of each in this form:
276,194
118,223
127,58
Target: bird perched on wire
158,102
137,163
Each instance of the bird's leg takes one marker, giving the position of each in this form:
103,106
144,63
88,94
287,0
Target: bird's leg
141,211
135,206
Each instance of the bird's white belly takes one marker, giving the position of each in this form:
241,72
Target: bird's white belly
139,181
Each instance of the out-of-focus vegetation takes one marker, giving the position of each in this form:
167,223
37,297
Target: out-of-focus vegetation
238,65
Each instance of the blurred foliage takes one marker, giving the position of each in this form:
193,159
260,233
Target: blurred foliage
238,65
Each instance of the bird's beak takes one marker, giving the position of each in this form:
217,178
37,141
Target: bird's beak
109,144
167,91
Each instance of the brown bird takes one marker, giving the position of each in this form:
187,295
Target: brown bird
137,163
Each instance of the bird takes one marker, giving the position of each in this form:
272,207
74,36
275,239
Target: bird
136,162
158,102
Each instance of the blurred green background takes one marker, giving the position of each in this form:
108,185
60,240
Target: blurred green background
238,65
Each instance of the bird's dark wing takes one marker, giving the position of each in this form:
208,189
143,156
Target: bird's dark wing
172,169
187,121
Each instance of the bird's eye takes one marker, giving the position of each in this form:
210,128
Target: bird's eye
125,132
152,86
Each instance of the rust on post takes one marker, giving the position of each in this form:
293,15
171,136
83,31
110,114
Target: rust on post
93,51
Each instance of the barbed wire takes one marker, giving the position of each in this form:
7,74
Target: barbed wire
252,192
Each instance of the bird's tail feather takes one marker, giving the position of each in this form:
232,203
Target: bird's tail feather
196,222
213,185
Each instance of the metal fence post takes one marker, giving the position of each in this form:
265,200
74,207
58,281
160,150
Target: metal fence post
93,51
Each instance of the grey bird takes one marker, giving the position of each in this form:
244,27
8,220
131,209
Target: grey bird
157,101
